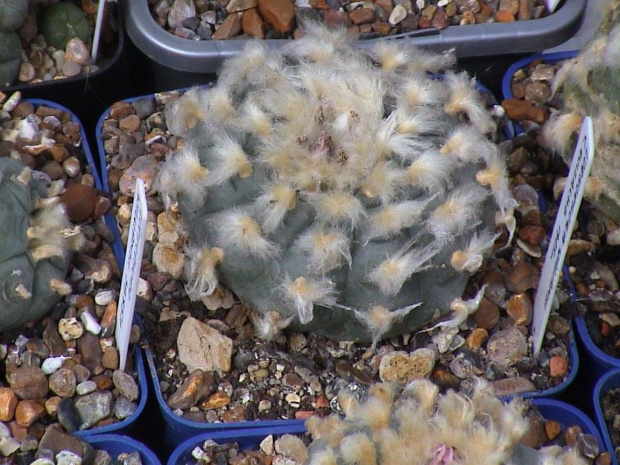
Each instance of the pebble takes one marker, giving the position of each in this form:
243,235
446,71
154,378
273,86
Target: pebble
203,348
94,407
70,328
126,385
63,382
404,367
507,346
28,382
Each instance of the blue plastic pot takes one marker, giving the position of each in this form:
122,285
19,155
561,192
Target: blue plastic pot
611,380
115,444
568,415
551,409
138,360
246,438
178,429
594,360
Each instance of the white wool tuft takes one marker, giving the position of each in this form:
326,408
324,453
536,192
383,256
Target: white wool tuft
200,272
326,250
392,273
237,231
453,217
464,98
304,293
431,171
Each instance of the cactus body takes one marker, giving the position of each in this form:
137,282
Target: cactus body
35,247
12,14
334,187
591,87
419,426
60,22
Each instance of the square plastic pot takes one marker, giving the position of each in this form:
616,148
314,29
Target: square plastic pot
247,439
87,95
611,380
551,409
171,59
595,361
129,423
115,444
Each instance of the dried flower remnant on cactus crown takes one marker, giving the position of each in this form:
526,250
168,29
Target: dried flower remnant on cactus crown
337,184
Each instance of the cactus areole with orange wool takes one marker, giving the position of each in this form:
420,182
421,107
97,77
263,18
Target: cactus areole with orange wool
339,191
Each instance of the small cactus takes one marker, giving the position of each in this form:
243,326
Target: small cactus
35,249
590,84
12,14
418,426
343,192
62,21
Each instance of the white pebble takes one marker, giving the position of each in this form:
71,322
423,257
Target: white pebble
52,364
266,445
65,457
8,445
90,323
12,101
85,387
104,297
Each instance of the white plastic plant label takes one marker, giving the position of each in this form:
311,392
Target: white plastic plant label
552,5
97,34
131,271
562,230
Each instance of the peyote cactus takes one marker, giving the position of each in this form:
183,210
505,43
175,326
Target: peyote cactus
62,21
418,426
346,193
35,248
591,87
12,14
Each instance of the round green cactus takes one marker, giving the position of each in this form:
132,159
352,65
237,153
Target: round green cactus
346,193
60,22
10,57
12,14
35,248
591,87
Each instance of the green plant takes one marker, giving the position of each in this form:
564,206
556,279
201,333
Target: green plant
343,192
418,426
36,245
12,14
62,21
591,87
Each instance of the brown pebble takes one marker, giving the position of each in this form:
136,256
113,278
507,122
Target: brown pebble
536,436
8,402
280,14
235,414
553,429
558,365
252,24
28,382
230,27
487,315
362,16
104,383
195,387
214,401
532,234
476,338
523,110
522,277
519,307
571,435
130,123
504,16
79,201
27,412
